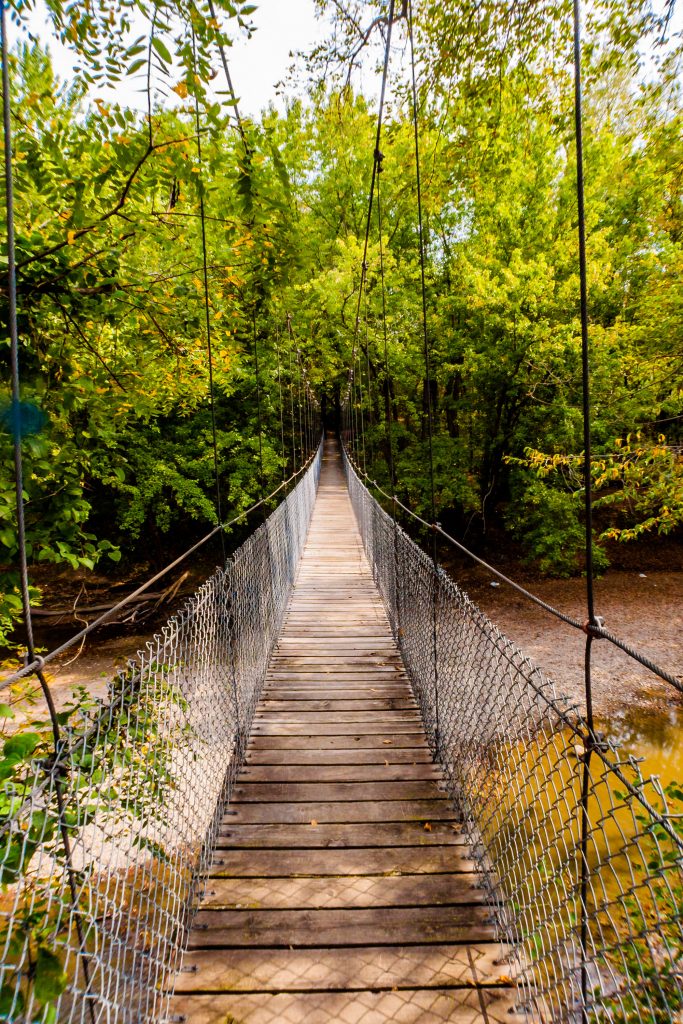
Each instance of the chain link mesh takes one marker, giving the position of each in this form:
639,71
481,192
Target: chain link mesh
582,856
103,845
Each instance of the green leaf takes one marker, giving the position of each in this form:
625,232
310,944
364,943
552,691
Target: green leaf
6,711
22,745
162,50
11,1003
135,66
49,979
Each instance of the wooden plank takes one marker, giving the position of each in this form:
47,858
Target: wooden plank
384,772
382,728
354,1006
292,837
381,860
270,716
360,715
318,893
323,663
358,927
356,756
341,889
346,741
270,702
376,967
340,813
278,692
327,792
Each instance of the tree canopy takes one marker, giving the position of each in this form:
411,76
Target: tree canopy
112,207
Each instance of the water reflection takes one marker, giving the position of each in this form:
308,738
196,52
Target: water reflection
656,736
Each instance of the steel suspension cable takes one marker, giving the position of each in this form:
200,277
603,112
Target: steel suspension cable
207,308
423,286
282,413
258,402
377,156
597,631
37,664
291,389
371,416
231,88
388,414
428,380
588,515
52,765
298,400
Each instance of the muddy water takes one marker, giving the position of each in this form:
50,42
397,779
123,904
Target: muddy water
655,735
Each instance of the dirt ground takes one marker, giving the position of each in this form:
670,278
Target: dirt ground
644,609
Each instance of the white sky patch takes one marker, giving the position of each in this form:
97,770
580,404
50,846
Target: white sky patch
257,64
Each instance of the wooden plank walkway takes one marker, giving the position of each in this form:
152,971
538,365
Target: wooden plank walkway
341,889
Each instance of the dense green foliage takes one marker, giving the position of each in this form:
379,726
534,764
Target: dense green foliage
111,289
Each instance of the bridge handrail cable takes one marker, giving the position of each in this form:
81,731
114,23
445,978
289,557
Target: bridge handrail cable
585,883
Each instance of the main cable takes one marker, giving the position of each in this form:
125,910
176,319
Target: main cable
428,381
377,157
231,88
37,664
590,743
388,414
598,631
423,286
207,306
52,765
258,402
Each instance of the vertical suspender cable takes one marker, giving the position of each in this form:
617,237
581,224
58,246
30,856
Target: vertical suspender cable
387,377
16,424
428,381
14,341
584,867
228,78
282,412
298,393
371,417
361,411
207,311
388,414
258,407
377,156
291,391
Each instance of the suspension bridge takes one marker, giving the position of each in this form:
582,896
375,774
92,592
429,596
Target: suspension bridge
341,887
330,789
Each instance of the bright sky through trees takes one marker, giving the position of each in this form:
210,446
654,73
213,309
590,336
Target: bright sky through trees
256,64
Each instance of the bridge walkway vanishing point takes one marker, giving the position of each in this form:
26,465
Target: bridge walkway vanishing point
341,889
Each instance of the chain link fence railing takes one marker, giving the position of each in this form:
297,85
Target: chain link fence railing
581,856
104,842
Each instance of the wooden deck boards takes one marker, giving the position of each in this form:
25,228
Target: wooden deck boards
341,888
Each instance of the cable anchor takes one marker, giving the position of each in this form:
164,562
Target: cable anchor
594,627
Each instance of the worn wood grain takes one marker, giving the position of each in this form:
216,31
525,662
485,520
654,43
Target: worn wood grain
341,889
374,967
305,741
368,861
320,892
344,811
347,773
354,1006
351,834
316,756
355,927
328,792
